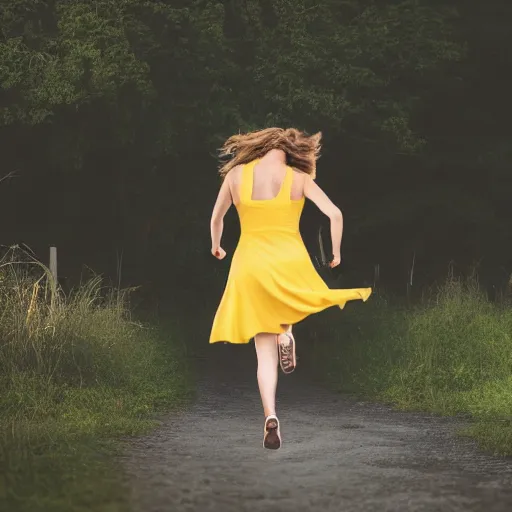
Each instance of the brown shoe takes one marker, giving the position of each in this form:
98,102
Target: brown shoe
286,349
272,433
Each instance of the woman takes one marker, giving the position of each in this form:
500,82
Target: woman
272,282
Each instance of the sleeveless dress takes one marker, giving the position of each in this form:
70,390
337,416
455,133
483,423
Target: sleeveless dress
272,280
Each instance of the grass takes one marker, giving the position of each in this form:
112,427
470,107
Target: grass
77,375
451,354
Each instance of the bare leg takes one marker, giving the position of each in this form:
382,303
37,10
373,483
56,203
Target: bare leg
266,351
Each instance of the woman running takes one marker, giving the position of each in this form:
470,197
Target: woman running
272,282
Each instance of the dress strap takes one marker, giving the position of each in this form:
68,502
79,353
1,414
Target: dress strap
247,179
286,190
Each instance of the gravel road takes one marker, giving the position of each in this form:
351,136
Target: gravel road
337,454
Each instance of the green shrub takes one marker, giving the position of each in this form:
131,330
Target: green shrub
77,372
450,354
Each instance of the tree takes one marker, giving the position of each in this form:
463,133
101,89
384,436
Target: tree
350,67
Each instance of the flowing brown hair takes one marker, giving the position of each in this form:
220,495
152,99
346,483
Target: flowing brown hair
302,150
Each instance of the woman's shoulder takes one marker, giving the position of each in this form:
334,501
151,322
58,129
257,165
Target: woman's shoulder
235,174
299,175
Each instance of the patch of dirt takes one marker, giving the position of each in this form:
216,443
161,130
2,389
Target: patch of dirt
337,454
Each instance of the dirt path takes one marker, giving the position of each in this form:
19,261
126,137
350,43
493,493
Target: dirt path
337,455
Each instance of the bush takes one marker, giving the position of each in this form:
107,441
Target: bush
450,354
76,373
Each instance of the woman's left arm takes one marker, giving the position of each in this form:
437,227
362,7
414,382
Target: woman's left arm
224,201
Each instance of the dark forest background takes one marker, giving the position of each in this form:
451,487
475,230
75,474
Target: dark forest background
111,112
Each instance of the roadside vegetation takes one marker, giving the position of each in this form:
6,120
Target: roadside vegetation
450,354
77,375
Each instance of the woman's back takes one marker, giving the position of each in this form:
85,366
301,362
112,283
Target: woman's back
268,180
263,199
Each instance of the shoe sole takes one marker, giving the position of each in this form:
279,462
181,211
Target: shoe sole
272,435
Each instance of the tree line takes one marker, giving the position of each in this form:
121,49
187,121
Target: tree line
111,112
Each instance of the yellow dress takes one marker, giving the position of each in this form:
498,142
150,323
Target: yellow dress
272,280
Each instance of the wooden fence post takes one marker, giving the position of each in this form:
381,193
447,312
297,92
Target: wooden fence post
376,275
53,264
411,276
53,271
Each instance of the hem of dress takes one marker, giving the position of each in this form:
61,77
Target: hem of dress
300,317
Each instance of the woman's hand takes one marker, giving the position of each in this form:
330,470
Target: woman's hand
335,261
219,252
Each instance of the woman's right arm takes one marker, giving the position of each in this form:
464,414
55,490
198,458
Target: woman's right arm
313,192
